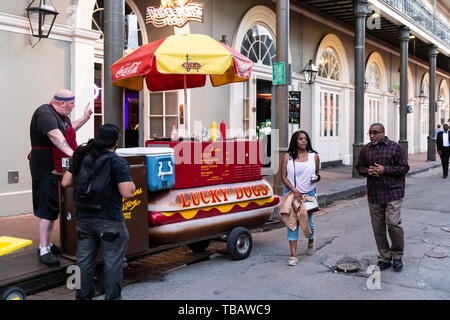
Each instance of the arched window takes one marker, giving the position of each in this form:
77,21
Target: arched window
373,76
258,46
425,88
329,65
98,20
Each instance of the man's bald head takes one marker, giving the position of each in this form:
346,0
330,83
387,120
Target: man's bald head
64,94
63,101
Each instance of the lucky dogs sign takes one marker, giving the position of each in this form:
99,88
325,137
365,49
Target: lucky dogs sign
180,205
175,13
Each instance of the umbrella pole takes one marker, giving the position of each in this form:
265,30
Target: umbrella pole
186,119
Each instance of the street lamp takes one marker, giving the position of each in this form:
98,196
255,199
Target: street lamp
440,102
224,40
41,18
422,97
310,72
366,85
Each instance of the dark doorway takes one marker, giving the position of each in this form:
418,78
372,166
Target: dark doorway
263,115
131,118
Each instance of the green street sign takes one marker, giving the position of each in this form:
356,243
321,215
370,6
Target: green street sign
278,73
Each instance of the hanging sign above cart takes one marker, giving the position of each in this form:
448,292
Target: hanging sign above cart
175,13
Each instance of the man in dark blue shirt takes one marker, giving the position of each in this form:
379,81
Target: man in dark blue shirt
107,226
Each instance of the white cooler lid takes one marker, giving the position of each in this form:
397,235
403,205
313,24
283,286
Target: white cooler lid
141,151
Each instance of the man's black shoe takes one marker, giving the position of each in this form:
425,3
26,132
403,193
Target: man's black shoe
445,177
383,265
397,265
49,259
54,249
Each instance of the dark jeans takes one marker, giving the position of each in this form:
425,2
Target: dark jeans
444,159
113,237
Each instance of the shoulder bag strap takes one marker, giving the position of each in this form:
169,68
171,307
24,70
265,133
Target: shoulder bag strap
295,176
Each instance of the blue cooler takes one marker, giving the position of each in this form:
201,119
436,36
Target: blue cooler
160,166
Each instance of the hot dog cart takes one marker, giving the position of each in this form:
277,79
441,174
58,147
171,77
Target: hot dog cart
187,193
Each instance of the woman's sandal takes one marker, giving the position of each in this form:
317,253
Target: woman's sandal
292,261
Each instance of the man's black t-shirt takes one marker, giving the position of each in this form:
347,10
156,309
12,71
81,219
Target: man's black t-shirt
44,119
120,172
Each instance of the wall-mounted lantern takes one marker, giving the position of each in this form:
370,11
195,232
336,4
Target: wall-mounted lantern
224,40
366,85
41,18
422,97
310,72
440,101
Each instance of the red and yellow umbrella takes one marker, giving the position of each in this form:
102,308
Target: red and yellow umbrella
180,61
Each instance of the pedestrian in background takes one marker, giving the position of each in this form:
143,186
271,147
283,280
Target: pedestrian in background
301,162
443,148
439,129
107,226
53,140
384,163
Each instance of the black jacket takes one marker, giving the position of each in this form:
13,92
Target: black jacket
439,141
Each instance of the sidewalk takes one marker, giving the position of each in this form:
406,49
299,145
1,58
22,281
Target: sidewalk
337,183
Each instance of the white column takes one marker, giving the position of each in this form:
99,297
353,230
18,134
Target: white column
82,78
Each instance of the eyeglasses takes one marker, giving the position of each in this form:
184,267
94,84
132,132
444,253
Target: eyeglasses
374,132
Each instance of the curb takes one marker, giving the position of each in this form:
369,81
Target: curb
357,191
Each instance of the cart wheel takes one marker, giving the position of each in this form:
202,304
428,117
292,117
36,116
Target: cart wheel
239,243
200,246
13,293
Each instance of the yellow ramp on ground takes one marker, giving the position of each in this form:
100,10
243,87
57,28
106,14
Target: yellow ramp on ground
9,244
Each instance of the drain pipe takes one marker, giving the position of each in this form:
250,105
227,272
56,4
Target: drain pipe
282,91
114,45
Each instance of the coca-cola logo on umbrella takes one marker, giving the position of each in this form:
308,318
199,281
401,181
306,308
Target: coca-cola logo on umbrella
129,70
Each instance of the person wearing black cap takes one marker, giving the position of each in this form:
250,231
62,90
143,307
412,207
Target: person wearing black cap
53,140
107,226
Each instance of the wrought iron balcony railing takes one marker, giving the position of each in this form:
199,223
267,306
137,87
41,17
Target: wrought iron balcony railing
425,18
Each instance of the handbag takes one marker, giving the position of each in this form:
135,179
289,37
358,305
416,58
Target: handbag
311,206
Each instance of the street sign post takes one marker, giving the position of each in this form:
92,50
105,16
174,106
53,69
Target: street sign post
278,74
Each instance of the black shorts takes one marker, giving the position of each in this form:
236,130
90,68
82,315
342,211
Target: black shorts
45,198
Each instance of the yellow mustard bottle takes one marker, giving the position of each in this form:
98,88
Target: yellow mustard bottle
213,131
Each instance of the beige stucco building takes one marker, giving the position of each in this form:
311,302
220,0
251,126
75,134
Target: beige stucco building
73,58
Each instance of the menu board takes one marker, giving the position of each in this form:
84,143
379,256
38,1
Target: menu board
294,106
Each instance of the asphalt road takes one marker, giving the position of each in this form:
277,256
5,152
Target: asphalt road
343,233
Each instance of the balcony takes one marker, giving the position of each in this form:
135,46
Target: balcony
424,18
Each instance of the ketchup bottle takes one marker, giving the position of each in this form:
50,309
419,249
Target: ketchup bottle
223,131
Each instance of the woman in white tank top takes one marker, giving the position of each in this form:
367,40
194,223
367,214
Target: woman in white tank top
299,173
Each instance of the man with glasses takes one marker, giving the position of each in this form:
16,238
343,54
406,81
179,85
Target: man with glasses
384,163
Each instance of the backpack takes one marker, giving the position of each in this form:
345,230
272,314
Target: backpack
91,187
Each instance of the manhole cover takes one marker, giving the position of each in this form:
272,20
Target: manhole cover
435,254
347,267
437,242
446,228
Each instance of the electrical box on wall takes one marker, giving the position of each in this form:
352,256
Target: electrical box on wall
13,177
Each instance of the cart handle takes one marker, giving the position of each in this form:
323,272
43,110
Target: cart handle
160,173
